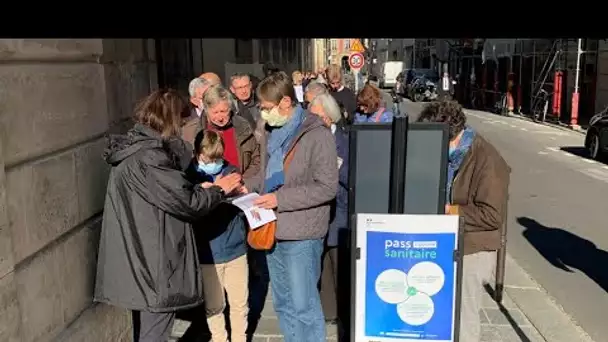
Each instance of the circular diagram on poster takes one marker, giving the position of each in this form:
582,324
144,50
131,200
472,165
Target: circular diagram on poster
417,309
391,286
426,277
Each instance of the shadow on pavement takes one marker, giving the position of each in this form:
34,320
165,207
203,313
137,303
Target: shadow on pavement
198,331
578,151
566,250
520,333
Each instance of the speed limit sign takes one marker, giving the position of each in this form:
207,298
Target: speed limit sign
356,60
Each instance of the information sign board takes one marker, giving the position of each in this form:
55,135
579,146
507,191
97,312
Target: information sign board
407,276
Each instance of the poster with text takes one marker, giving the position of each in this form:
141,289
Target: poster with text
409,285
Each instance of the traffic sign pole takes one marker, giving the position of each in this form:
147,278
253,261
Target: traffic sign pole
356,61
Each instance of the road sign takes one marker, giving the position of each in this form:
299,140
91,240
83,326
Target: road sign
356,60
356,46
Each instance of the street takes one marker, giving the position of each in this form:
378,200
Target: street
556,218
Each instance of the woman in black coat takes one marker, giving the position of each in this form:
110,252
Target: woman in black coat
147,259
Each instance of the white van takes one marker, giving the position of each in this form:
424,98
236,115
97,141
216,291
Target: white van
390,70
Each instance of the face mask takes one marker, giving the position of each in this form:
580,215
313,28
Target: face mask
210,168
273,117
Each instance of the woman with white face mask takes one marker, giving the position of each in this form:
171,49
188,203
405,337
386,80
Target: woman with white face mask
336,251
300,190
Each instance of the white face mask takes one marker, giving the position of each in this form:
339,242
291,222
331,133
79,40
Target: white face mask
273,117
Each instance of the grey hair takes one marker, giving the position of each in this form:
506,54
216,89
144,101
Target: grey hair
238,75
217,93
195,84
316,88
330,106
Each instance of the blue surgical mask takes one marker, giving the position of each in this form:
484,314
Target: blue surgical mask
210,168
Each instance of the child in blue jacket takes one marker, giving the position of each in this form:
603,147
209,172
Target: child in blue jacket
222,244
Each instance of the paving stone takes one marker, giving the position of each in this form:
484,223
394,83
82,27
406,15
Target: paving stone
553,324
510,334
489,334
498,317
483,318
488,302
268,326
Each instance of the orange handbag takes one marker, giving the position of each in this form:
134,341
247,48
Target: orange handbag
263,238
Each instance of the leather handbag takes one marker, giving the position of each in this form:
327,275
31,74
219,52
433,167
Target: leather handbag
263,238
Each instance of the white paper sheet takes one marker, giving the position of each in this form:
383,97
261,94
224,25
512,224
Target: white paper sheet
256,217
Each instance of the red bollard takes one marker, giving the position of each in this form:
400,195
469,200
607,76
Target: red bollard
574,112
557,94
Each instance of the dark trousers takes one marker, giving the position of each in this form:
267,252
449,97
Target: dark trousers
152,327
329,283
335,284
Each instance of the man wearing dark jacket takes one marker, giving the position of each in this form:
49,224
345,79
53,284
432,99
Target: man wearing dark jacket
343,95
477,189
241,87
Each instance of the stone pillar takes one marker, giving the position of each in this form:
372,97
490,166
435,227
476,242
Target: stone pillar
58,98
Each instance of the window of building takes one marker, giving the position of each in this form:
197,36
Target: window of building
244,50
265,48
334,45
346,44
292,49
276,51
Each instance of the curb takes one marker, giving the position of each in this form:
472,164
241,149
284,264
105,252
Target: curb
540,308
560,126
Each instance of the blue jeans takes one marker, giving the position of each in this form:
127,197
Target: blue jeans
295,268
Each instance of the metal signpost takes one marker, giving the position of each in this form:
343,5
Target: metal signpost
356,61
407,278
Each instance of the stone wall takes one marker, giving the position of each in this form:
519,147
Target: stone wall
58,97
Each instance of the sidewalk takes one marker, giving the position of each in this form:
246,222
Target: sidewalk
560,126
526,314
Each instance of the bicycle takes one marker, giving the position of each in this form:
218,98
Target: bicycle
541,106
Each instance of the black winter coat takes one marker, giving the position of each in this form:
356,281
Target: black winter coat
147,255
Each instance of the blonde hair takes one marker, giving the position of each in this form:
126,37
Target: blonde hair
334,73
296,77
209,144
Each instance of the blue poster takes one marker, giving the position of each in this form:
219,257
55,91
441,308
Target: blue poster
409,289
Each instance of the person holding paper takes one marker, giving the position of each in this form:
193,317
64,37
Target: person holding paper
221,242
301,196
336,249
477,187
147,254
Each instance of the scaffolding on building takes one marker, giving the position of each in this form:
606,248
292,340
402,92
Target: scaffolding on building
524,76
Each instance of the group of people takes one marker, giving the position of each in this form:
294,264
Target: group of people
171,239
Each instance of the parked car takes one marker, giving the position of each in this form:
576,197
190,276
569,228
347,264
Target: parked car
407,77
596,140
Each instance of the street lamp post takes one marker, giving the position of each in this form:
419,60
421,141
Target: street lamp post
575,95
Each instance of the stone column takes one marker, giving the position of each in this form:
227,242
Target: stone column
59,97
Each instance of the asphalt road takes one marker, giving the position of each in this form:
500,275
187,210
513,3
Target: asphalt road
557,213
